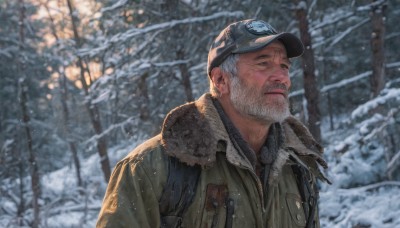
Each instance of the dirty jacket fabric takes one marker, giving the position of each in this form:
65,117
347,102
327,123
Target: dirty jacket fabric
194,134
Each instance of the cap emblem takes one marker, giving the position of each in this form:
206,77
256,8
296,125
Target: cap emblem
260,28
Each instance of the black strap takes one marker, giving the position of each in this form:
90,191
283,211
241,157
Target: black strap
178,192
230,211
308,191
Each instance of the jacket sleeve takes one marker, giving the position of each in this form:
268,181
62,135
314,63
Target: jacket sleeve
131,199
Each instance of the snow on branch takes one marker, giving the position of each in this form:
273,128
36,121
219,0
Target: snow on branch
311,8
344,82
393,65
369,187
135,68
382,126
364,133
116,5
148,41
94,138
392,161
371,6
392,35
141,66
11,195
6,53
336,85
342,16
6,145
365,108
346,32
72,208
296,93
131,33
331,21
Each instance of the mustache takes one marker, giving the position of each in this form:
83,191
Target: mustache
271,87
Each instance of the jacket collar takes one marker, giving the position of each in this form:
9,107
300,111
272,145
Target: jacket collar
194,131
191,132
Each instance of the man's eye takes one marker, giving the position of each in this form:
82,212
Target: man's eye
263,63
285,66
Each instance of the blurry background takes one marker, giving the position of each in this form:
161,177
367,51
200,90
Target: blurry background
83,82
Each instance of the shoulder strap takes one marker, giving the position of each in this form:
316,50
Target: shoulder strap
309,193
178,192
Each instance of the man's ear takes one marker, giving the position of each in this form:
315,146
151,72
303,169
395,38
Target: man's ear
220,80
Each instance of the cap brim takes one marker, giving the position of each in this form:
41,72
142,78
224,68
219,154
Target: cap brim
294,46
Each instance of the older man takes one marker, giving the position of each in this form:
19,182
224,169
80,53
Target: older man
233,158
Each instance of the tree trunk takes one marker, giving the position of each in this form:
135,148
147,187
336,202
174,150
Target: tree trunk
21,204
377,79
66,120
143,95
93,111
34,171
311,91
170,8
185,77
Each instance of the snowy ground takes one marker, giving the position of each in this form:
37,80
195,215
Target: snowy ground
370,206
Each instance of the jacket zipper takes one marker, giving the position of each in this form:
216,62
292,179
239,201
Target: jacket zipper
258,182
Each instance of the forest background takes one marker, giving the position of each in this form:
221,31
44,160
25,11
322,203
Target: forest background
83,82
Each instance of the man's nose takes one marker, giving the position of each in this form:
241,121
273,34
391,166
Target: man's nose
281,75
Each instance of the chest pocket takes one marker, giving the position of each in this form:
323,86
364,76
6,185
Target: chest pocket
219,207
296,211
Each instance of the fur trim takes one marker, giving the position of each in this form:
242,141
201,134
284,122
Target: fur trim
186,134
276,168
304,134
300,140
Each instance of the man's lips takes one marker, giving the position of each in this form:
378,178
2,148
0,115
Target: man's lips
277,92
277,89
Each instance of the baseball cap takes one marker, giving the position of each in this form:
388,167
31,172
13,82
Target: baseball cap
248,36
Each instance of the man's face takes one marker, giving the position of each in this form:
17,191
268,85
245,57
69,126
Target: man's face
261,87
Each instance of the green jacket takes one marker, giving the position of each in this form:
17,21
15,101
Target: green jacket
195,134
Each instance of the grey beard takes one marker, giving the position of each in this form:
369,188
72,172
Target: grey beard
246,101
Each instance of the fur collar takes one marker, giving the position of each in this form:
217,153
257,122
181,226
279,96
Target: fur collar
191,133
